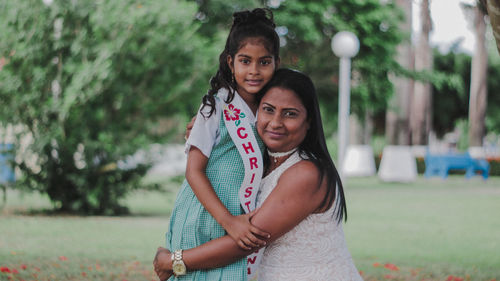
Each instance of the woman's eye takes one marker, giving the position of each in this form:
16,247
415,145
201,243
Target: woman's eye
265,62
290,114
267,109
245,61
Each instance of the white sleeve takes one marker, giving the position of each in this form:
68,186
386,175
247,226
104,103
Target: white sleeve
205,133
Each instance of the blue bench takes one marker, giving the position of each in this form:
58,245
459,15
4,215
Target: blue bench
6,156
442,164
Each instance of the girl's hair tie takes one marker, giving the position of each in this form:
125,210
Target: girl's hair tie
251,17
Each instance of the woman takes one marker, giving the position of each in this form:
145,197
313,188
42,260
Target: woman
301,201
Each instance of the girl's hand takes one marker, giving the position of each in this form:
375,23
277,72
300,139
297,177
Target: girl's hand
246,235
163,264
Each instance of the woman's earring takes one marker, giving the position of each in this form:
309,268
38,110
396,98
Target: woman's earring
232,78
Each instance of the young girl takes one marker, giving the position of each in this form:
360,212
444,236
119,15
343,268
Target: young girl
222,175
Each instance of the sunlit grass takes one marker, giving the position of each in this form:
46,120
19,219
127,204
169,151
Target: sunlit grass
426,230
434,227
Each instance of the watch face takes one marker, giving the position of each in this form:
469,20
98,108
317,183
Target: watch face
179,268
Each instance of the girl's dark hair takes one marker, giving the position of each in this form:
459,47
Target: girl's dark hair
246,24
314,144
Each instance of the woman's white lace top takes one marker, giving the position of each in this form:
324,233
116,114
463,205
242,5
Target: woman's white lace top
314,250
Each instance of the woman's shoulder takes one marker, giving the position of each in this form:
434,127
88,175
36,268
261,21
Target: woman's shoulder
301,176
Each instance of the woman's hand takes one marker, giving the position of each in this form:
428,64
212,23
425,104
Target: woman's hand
189,127
163,264
244,233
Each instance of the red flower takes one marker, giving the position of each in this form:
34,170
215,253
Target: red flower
84,274
232,114
458,279
391,266
388,276
23,266
63,258
4,269
15,271
377,264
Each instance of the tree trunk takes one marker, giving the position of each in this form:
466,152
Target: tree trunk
478,86
493,7
397,116
421,109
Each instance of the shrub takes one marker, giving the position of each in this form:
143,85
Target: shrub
88,81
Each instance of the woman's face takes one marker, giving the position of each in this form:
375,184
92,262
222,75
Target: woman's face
282,120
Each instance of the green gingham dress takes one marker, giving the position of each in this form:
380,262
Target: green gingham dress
191,225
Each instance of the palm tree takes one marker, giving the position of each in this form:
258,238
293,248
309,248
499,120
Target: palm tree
478,99
397,116
420,112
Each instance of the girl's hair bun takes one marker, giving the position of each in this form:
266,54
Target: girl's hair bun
251,17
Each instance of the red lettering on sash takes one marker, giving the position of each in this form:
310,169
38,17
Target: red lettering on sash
249,271
251,260
253,163
248,147
253,177
248,205
248,192
238,131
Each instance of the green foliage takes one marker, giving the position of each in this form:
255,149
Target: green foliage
452,99
451,90
89,82
493,110
310,26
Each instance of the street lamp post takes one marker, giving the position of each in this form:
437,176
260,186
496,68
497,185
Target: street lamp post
345,45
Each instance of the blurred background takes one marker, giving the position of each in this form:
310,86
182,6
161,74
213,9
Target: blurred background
95,95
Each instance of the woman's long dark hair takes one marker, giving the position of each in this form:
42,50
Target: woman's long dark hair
246,24
314,144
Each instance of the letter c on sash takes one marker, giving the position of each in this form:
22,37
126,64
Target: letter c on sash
238,131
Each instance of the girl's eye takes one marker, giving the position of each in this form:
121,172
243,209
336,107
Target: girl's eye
245,61
265,62
290,114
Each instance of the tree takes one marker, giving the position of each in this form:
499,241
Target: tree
493,11
89,82
478,89
420,114
307,28
398,111
450,101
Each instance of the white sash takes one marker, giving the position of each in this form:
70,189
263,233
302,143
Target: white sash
241,133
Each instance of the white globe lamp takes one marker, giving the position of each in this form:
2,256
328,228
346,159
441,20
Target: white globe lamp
345,45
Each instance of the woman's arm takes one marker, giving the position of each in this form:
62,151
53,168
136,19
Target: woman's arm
298,194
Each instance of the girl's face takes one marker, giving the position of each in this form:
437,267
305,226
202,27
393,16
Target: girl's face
253,66
282,121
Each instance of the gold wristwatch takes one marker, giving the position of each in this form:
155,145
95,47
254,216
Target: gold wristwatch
178,265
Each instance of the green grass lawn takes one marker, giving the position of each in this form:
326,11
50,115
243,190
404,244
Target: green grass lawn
427,230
